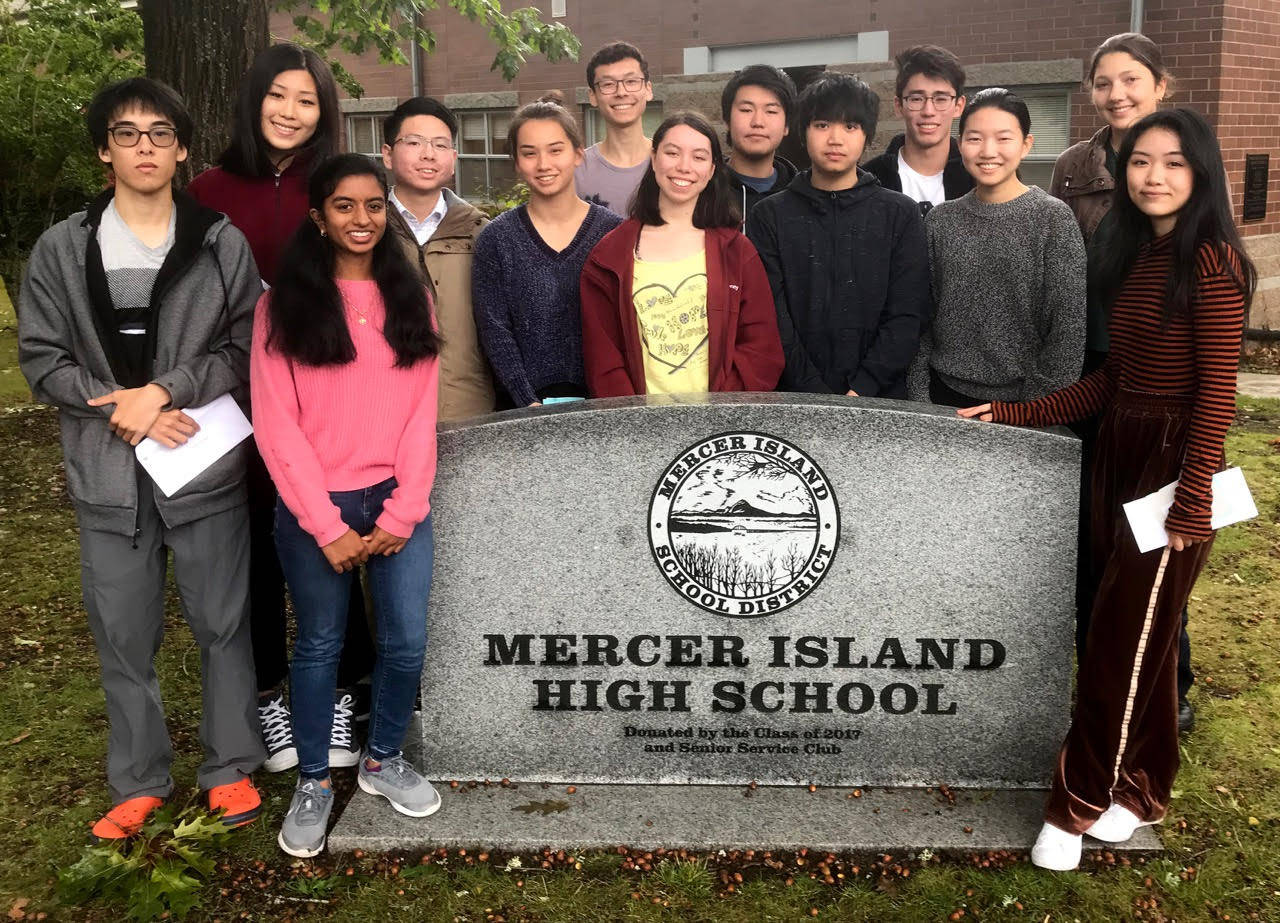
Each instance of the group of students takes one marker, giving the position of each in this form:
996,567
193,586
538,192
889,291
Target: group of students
353,316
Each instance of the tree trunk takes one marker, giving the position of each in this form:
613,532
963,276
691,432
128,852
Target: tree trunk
202,48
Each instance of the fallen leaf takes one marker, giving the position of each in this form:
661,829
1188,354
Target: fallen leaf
1222,789
19,739
18,910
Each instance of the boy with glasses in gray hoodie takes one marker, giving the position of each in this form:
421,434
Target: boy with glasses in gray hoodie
131,312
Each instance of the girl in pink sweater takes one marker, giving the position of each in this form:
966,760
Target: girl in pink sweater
343,377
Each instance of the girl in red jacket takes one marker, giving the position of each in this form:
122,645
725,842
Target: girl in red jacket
675,300
286,121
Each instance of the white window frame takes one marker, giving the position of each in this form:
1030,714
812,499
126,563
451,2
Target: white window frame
375,131
467,162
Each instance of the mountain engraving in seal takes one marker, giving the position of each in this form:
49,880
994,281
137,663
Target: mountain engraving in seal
744,524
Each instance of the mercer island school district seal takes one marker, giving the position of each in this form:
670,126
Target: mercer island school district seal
744,524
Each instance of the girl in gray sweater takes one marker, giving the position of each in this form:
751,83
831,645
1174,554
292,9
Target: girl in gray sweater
1008,267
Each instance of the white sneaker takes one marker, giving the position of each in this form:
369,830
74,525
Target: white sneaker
277,733
1056,849
344,752
1116,825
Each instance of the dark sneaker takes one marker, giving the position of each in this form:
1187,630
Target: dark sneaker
1186,716
344,752
399,783
364,696
303,832
277,733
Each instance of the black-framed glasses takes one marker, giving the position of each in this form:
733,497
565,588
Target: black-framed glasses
128,136
608,86
942,102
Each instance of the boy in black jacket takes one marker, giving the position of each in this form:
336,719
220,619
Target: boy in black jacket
846,257
757,105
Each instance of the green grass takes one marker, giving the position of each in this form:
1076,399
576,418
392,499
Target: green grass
1222,839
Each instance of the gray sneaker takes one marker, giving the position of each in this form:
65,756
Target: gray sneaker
399,783
303,831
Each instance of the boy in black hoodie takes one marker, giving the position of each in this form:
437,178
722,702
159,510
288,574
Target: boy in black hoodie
757,105
846,257
924,162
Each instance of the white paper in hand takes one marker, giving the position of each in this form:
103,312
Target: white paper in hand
223,426
1232,503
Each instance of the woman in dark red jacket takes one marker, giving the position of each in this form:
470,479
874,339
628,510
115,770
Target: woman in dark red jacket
286,122
675,300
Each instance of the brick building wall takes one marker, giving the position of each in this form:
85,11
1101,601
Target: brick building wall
1249,123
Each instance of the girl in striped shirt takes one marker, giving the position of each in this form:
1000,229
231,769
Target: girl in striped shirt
1178,283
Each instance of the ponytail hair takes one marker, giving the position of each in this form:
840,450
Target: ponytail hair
548,107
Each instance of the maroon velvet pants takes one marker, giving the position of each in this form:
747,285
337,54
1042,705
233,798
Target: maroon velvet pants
1123,743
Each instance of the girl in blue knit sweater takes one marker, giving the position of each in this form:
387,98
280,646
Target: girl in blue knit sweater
527,264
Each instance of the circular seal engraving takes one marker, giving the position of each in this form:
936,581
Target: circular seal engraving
744,524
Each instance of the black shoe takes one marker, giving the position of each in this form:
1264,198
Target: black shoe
1186,716
364,698
277,733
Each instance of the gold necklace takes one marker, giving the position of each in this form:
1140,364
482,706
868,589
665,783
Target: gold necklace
363,317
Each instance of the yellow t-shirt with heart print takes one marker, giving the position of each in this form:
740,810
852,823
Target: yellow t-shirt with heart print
670,300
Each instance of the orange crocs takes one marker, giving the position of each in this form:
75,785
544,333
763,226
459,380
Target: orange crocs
124,820
240,799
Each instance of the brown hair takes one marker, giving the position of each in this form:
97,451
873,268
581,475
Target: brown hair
931,61
1140,48
612,53
549,106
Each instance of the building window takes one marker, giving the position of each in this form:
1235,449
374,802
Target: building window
1051,127
1050,109
651,119
484,158
364,133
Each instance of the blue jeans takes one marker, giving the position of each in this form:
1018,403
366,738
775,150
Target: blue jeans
400,586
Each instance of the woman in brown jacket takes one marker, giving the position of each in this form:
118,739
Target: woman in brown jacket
1127,80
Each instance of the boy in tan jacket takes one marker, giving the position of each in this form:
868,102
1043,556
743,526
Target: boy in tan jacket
438,230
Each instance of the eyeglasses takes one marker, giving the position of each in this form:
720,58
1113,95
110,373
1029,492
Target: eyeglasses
631,84
416,143
128,136
914,102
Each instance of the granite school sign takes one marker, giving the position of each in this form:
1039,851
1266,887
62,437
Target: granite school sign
786,589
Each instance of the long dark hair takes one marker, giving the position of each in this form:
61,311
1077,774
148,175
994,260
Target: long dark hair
1206,218
248,154
715,207
305,317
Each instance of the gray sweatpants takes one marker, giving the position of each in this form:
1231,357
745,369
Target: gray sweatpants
123,583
